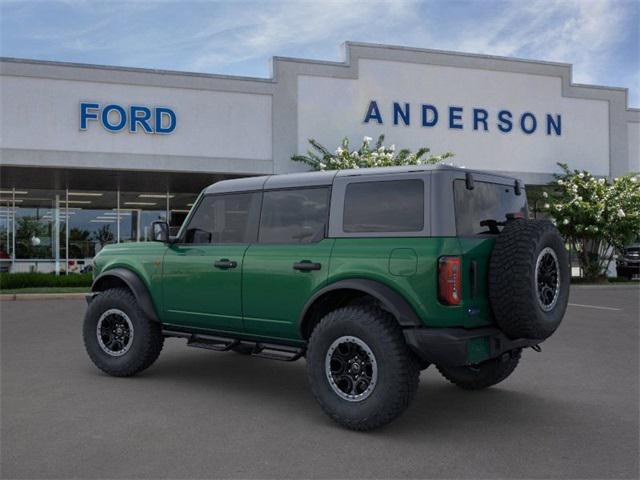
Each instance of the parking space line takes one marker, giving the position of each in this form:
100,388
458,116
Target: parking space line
593,306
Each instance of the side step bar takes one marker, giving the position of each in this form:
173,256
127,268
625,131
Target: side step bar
272,351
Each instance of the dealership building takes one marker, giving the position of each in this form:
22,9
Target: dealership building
93,154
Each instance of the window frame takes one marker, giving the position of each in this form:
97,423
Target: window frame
181,237
325,232
336,219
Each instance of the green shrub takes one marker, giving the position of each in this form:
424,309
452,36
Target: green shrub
596,216
366,156
26,280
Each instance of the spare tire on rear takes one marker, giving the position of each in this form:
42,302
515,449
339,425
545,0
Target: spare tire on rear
529,278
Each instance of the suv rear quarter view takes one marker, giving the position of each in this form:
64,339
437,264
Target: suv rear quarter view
370,275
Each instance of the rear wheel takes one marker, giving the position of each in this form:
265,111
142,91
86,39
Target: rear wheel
360,369
118,337
483,375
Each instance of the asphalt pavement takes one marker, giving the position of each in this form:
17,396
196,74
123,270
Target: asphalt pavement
570,411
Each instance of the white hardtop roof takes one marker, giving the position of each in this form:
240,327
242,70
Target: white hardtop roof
313,179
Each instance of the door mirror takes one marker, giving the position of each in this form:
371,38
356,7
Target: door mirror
160,231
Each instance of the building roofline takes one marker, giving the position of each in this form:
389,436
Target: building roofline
55,63
346,62
454,52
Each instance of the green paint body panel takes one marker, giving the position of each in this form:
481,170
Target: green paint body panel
196,293
273,293
403,262
143,259
264,295
384,259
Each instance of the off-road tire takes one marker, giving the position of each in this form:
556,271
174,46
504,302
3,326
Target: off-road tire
483,375
147,339
397,369
513,292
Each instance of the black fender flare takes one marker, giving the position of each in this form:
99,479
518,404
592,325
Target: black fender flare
391,300
135,284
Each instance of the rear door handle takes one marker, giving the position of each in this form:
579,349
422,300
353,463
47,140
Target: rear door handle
306,266
225,263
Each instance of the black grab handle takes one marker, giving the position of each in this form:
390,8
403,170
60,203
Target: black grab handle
306,266
225,263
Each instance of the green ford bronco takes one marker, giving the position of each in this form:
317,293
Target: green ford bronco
371,275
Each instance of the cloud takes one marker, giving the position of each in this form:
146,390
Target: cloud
581,32
277,26
599,37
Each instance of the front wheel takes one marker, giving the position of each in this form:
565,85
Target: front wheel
360,369
118,337
483,375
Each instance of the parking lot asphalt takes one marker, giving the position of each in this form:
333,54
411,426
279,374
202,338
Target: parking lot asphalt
570,411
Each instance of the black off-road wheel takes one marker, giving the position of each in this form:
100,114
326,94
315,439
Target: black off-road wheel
118,337
360,369
483,375
529,277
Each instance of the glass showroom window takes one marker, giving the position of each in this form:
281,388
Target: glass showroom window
139,210
37,230
143,208
62,230
180,204
7,228
92,224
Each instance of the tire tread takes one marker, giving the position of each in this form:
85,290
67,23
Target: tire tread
149,331
385,327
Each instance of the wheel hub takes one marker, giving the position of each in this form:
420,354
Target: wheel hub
114,332
351,368
547,279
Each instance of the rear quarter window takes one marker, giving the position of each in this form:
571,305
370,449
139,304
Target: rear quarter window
384,206
487,201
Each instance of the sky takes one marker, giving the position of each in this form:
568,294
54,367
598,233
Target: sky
601,38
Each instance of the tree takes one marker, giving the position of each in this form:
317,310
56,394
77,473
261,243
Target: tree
79,243
365,156
103,235
29,232
596,217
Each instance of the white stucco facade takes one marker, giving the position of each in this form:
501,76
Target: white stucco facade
327,108
211,123
243,126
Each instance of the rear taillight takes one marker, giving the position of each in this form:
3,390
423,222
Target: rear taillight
449,289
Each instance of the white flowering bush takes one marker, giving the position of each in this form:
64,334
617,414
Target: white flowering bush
594,215
366,156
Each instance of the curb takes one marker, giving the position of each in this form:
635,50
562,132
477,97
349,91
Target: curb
42,296
624,286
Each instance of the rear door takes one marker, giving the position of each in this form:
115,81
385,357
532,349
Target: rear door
289,262
202,274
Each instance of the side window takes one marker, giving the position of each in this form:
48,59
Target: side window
386,206
487,201
294,216
228,218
